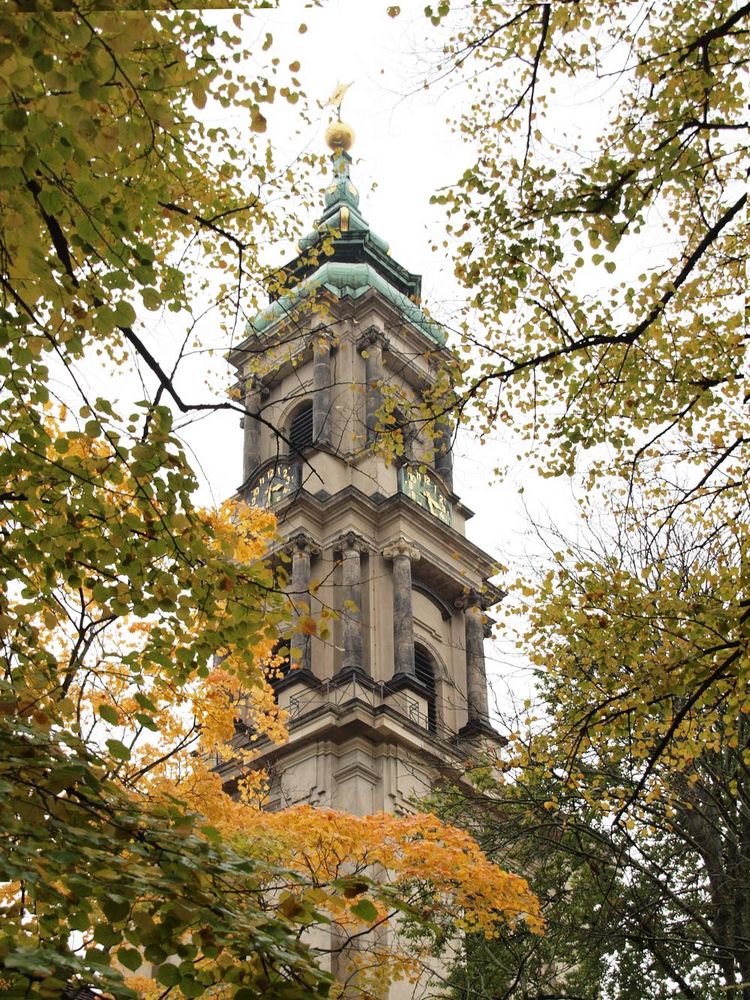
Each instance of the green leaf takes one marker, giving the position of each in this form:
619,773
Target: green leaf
118,749
145,702
365,910
191,987
115,909
130,958
146,721
15,119
110,714
258,121
43,62
124,313
151,298
168,975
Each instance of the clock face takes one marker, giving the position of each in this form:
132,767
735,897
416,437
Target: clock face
421,488
277,482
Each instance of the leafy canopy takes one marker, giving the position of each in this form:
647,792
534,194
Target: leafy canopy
137,626
598,233
635,849
604,264
556,207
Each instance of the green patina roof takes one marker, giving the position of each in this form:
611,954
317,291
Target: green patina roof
356,261
342,280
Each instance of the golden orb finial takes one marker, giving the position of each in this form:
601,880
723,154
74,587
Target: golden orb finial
339,136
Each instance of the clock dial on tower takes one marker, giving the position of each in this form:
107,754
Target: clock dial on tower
422,488
274,484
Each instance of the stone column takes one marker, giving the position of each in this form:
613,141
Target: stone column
251,427
402,554
302,549
351,546
444,451
371,346
476,676
321,387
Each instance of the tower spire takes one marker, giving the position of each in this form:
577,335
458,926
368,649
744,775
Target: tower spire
341,199
339,139
343,254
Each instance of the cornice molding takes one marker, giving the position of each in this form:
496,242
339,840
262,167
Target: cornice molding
356,770
340,724
325,512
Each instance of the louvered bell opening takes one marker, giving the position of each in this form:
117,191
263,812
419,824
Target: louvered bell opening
301,431
426,674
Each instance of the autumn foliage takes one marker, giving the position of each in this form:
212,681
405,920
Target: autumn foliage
598,233
133,620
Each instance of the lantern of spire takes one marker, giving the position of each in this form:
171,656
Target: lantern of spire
341,200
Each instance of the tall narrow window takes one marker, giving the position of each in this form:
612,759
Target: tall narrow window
280,665
404,433
425,672
274,671
301,428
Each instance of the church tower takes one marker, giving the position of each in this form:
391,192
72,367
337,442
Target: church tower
396,692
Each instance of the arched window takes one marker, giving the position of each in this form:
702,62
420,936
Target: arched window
275,670
301,428
280,664
425,672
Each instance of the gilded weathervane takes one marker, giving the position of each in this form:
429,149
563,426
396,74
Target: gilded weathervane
339,135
